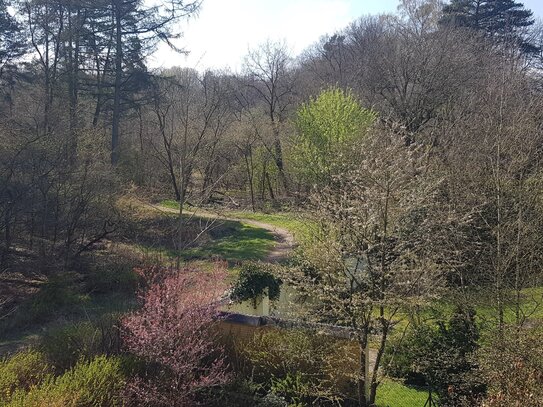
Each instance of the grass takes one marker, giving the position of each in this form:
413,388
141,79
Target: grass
231,241
294,223
244,242
170,203
394,394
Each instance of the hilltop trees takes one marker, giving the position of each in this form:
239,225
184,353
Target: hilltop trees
501,20
270,74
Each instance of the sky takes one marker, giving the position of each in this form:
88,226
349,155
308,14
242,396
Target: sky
224,30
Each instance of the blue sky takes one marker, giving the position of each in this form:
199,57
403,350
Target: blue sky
225,30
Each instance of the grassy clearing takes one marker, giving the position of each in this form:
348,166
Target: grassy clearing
243,242
394,394
296,224
231,241
170,203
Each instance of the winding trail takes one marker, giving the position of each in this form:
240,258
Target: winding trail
284,239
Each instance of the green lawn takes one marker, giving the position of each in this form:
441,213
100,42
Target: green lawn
394,394
231,241
293,222
242,242
170,203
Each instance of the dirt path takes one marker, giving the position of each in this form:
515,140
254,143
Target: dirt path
284,239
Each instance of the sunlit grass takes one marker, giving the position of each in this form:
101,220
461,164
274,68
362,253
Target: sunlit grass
244,242
295,223
231,241
394,394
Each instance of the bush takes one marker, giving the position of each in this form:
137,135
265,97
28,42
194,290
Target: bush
512,365
277,353
98,383
295,388
173,333
21,372
117,276
300,361
66,345
59,294
254,280
442,357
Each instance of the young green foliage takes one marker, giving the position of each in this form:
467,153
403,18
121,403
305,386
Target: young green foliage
328,127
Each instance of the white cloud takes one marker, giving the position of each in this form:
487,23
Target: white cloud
225,29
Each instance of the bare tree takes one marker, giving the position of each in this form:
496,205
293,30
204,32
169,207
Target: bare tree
270,73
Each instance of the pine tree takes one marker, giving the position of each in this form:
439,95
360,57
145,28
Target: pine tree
502,20
12,43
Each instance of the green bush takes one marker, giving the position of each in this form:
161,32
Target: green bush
295,388
276,353
298,360
58,295
253,281
65,345
22,371
443,356
98,383
117,275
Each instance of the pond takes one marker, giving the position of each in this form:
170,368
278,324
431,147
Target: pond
287,305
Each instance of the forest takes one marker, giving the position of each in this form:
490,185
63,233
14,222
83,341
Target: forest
357,225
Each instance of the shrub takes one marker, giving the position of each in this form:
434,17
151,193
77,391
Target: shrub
173,333
253,281
98,383
57,295
277,353
21,372
443,357
117,276
296,357
65,345
512,365
295,388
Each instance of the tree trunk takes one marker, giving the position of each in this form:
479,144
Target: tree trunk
363,373
115,153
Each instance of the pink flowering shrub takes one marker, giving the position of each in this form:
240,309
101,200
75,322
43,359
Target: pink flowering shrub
174,333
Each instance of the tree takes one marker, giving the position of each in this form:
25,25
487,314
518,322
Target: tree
270,74
12,43
494,165
138,28
502,20
173,332
382,248
444,354
329,126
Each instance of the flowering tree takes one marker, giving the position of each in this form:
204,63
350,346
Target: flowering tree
384,248
173,332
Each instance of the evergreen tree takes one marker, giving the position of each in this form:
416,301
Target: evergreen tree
12,43
503,20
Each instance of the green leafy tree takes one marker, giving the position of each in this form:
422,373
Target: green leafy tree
328,127
443,357
255,280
